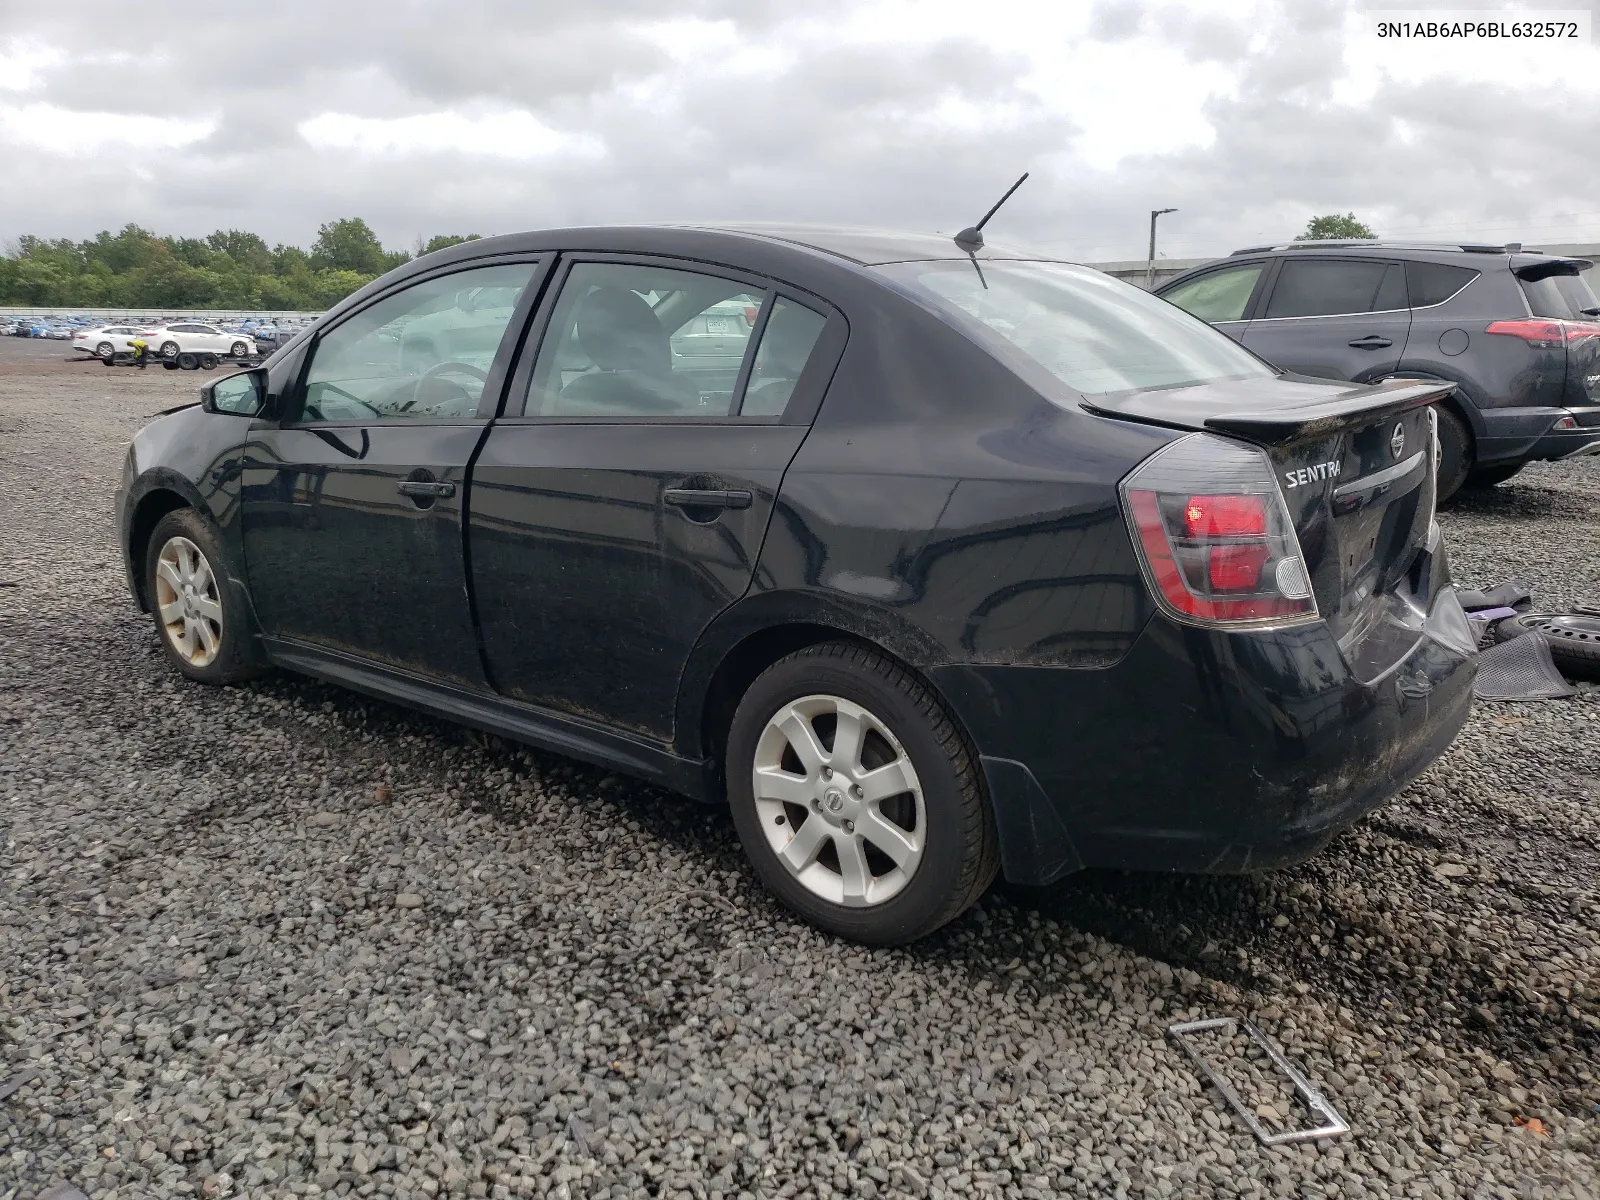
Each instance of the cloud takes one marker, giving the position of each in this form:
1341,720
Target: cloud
495,115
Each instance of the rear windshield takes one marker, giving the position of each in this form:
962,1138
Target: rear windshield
1563,297
1094,333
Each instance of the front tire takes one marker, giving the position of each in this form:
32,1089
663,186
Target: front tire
239,350
856,798
200,615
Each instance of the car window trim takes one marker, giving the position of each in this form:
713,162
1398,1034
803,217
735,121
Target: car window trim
1476,275
770,288
499,370
1387,262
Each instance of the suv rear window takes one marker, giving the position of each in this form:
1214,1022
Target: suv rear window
1434,283
1562,296
1094,333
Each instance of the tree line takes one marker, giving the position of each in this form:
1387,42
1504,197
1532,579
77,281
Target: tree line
135,269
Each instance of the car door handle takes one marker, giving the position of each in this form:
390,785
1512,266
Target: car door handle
1373,341
433,489
706,498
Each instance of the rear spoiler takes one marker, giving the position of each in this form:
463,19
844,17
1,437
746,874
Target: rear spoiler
1279,426
1348,408
1546,267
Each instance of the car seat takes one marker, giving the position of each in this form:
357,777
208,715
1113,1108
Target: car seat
629,348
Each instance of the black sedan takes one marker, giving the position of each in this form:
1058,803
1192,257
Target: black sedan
929,564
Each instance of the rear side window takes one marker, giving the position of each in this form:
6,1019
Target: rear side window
1219,296
786,344
1564,297
1330,287
1434,283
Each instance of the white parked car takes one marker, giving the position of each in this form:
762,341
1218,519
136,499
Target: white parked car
193,337
107,340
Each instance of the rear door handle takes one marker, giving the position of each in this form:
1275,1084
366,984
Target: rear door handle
1373,341
435,489
706,498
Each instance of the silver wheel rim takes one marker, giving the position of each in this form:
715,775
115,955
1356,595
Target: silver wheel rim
189,602
839,801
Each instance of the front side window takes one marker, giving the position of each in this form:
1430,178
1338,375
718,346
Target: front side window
630,340
1219,296
1094,333
1326,287
423,353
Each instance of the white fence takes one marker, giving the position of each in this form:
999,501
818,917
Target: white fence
109,315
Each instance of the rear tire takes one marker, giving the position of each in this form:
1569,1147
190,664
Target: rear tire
188,362
169,364
208,362
1488,477
201,615
169,350
1455,453
926,851
105,352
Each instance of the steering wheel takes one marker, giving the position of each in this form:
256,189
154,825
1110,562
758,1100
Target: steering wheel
440,369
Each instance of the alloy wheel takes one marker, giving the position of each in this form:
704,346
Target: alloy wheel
839,801
189,601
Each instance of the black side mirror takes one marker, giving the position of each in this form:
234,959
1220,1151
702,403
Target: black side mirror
241,395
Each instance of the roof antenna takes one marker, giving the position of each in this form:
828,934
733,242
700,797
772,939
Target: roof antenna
970,239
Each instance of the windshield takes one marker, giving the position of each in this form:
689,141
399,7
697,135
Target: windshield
1094,333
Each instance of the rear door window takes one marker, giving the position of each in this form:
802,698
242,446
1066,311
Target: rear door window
785,348
632,340
1434,283
1218,296
1329,287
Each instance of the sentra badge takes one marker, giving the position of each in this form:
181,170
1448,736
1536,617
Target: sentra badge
1315,473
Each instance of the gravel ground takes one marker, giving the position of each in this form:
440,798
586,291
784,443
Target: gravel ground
280,940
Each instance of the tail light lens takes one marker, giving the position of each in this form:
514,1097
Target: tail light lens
1546,333
1214,535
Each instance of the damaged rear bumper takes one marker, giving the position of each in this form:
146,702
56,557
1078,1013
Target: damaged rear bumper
1210,751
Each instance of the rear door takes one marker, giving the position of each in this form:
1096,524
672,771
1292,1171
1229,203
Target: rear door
621,503
352,509
1222,296
1338,318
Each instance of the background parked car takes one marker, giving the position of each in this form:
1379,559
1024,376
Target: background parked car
107,340
1515,330
192,337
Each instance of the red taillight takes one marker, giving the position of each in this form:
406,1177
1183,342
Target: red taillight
1237,568
1223,552
1225,516
1538,332
750,314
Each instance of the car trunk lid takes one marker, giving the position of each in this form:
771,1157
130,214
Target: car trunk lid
1355,465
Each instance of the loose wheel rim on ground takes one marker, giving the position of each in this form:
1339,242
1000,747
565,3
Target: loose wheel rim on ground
839,801
189,602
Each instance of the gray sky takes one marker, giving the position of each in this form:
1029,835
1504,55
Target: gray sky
495,115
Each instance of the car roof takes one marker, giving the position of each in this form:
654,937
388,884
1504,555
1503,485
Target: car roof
866,245
1377,247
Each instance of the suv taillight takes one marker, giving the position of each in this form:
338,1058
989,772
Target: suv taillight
1214,535
1540,332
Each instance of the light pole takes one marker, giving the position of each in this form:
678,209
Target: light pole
1150,266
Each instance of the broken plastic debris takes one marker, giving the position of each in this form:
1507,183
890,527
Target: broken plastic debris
1333,1125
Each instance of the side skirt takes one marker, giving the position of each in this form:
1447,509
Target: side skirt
525,723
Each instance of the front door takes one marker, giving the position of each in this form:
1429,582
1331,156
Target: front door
623,506
353,506
1338,318
1222,296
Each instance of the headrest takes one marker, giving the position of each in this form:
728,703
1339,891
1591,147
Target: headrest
618,332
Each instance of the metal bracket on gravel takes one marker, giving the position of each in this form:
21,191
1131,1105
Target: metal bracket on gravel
1333,1124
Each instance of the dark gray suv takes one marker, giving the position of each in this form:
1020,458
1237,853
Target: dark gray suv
1517,331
